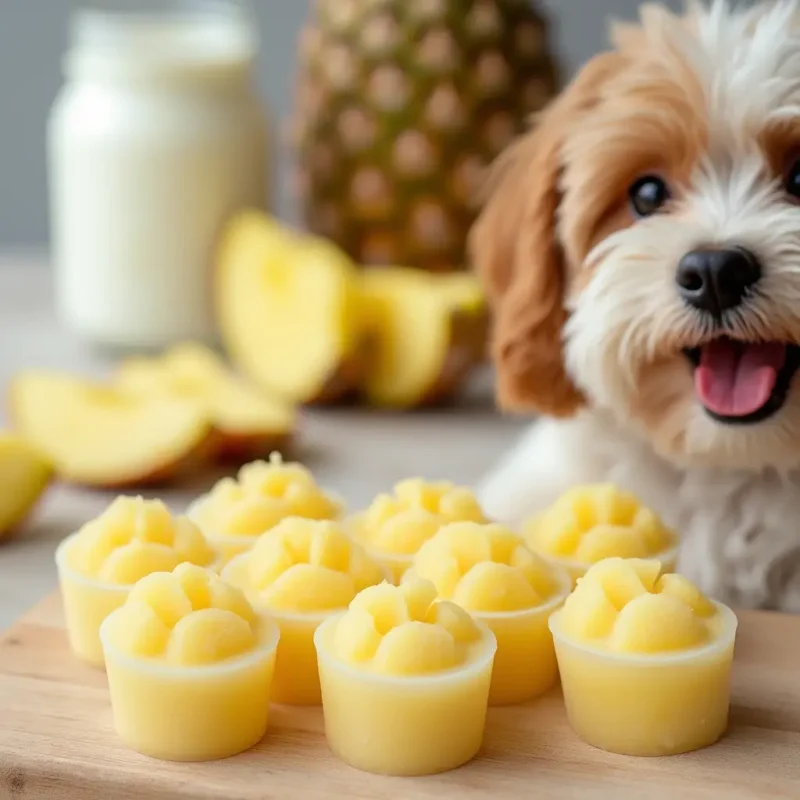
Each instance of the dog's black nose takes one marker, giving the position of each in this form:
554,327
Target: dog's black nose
716,280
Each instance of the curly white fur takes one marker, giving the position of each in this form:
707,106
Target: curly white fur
731,491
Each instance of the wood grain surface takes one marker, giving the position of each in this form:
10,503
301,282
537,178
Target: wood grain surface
57,740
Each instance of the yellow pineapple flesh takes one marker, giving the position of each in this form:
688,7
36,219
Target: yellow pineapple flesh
426,334
248,422
288,309
24,475
97,435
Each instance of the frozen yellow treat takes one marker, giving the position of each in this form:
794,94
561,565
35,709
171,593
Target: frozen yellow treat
98,565
405,681
301,572
396,525
590,523
190,666
487,570
236,511
644,660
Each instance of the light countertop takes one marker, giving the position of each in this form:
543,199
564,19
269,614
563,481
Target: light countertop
356,452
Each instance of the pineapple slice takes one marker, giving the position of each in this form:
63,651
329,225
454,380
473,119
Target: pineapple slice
288,310
100,436
248,424
24,475
427,335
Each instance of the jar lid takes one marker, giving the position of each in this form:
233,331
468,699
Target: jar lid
162,33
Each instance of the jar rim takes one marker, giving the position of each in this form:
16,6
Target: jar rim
182,32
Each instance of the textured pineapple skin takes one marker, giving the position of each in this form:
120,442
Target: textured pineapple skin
402,105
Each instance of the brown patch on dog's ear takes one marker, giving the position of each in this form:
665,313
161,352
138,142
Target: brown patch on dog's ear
515,250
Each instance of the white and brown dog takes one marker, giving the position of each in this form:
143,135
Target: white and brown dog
641,251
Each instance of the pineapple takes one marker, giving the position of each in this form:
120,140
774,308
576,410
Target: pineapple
402,104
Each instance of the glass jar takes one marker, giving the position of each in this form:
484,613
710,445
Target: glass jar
156,137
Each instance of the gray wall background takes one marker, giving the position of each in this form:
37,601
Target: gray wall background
33,36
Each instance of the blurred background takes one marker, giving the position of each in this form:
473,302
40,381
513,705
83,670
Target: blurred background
33,37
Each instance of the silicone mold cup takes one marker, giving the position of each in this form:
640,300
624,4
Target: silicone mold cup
87,602
647,704
191,713
525,666
415,725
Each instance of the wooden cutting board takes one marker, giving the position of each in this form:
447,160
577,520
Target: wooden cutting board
57,740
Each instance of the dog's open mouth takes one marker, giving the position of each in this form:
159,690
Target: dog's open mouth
741,382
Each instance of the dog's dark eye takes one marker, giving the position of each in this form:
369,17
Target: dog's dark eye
649,193
793,179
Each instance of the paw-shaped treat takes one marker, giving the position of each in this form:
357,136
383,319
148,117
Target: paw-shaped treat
627,606
305,566
263,493
134,537
188,617
590,523
405,631
485,567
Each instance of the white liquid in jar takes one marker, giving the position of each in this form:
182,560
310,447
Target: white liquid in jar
156,138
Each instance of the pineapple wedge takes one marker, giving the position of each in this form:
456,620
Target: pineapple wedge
427,335
100,436
248,424
288,310
24,475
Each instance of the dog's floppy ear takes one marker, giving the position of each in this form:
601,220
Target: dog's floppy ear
514,247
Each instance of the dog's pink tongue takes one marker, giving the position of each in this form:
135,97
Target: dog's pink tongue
734,380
